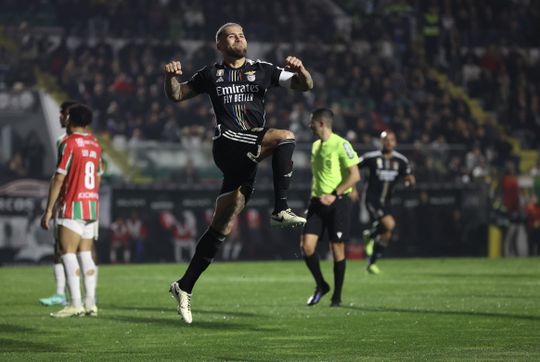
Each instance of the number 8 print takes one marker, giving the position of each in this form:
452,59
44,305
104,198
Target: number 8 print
89,176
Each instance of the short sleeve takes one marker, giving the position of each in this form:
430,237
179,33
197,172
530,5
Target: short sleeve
280,77
405,168
200,81
65,156
347,155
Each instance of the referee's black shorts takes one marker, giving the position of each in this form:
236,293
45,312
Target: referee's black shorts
336,218
377,209
234,153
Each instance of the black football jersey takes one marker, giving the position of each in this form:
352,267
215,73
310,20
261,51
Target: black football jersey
383,173
237,95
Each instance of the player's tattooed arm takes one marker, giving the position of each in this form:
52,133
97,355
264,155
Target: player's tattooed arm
176,91
302,80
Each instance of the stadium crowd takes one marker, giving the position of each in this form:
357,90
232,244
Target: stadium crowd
185,19
374,77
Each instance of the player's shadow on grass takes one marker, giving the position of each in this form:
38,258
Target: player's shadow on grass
175,322
491,296
159,310
472,275
447,312
10,345
13,328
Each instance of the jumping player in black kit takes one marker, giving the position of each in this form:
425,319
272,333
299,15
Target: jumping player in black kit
236,88
385,167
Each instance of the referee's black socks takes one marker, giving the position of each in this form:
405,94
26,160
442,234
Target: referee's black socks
339,276
314,267
282,171
206,250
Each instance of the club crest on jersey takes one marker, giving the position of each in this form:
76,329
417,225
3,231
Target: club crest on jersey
220,73
395,165
250,75
379,163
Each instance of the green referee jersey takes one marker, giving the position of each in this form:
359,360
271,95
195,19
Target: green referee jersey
330,162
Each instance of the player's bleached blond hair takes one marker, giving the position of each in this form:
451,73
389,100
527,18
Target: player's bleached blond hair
386,133
222,28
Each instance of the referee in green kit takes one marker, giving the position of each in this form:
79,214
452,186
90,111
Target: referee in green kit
334,165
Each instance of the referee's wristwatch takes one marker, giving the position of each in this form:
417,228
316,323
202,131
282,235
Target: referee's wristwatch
336,194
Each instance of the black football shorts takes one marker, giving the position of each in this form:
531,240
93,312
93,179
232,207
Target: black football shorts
236,153
377,210
336,218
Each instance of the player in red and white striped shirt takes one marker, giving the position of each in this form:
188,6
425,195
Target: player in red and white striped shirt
59,275
74,190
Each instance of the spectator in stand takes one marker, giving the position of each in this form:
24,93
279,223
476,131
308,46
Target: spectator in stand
33,153
533,227
510,188
16,165
137,232
120,240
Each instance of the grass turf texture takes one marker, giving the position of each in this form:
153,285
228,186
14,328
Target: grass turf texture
448,309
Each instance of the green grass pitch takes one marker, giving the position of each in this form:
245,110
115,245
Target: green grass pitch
419,309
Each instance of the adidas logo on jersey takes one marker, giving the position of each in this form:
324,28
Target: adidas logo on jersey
220,79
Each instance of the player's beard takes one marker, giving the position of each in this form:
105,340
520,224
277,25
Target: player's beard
236,53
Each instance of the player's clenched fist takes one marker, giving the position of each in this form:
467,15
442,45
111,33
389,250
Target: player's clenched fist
173,68
294,64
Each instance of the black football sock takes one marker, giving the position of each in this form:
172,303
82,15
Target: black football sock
339,276
206,250
282,167
314,267
377,252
